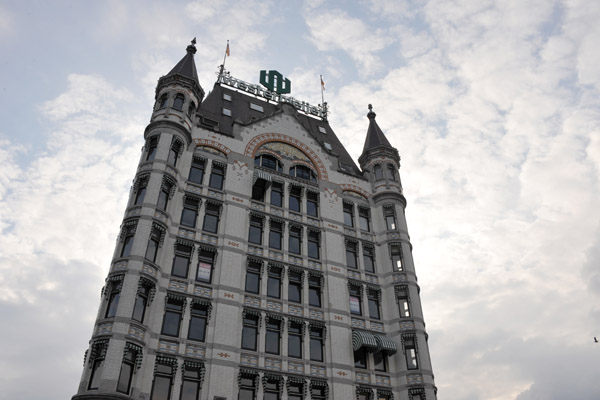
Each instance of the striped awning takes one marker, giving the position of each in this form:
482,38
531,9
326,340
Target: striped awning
265,176
364,339
386,344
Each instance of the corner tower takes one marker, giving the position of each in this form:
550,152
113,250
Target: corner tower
256,261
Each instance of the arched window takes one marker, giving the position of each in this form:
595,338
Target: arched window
162,102
391,172
267,161
178,102
191,109
302,172
378,172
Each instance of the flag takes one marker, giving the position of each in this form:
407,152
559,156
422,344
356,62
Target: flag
322,83
227,49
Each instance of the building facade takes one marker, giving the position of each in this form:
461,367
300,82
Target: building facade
256,260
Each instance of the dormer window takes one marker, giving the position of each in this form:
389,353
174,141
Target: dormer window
302,172
178,102
256,107
268,161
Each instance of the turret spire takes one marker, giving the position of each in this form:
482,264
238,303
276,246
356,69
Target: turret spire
184,73
375,137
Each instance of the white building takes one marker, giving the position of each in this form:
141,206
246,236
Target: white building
256,260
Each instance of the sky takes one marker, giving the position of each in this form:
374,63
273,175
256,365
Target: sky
494,106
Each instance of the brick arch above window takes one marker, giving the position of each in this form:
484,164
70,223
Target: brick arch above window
260,140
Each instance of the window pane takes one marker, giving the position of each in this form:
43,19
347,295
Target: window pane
274,287
316,350
355,307
188,217
163,199
95,377
139,196
124,378
314,296
216,178
295,346
161,389
189,390
360,358
197,328
313,249
272,342
379,361
180,266
113,302
295,292
196,174
252,282
249,338
276,195
374,309
211,223
294,245
246,394
139,308
204,273
171,323
255,234
127,243
275,240
151,250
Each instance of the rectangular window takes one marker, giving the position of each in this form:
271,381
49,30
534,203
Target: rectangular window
295,340
211,218
295,198
312,204
163,379
348,214
275,234
181,261
124,382
190,385
250,332
295,242
256,230
253,278
277,194
373,300
256,107
196,171
247,389
396,255
141,300
360,358
272,336
95,376
153,243
129,233
364,219
198,322
316,344
163,196
113,299
258,190
152,146
410,352
172,318
351,259
369,258
174,152
274,282
379,359
314,246
141,191
217,176
189,213
390,218
318,393
295,287
295,390
403,301
314,291
226,97
355,300
206,262
227,112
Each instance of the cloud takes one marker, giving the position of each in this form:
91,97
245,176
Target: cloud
7,23
336,30
53,248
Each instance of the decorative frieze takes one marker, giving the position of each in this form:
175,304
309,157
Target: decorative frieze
258,251
193,188
161,216
210,239
171,170
249,359
195,351
407,325
275,255
393,235
168,347
203,291
353,274
136,332
277,211
120,265
317,370
273,363
376,326
315,265
257,206
295,260
274,306
178,286
398,277
362,377
252,301
371,279
186,233
104,329
349,232
314,314
382,380
215,195
295,310
149,269
295,367
133,212
414,379
358,323
295,217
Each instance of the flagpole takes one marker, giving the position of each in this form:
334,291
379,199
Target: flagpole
224,58
322,97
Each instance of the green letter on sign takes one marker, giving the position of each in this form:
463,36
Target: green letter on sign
275,82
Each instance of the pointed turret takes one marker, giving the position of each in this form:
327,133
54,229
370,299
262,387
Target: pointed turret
376,144
184,74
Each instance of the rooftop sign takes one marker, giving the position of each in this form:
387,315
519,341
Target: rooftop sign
270,94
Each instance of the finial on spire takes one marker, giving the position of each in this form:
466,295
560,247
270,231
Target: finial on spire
192,47
371,114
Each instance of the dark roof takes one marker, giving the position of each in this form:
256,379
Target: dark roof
375,137
186,67
211,117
